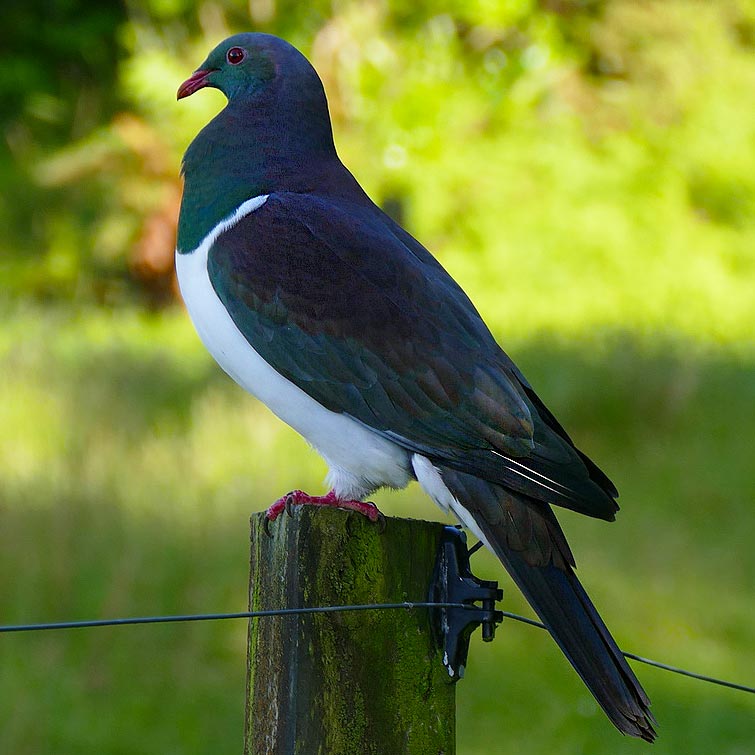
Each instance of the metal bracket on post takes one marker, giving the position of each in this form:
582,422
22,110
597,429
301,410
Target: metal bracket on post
453,582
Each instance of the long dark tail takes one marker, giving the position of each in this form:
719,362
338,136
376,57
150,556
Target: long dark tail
529,542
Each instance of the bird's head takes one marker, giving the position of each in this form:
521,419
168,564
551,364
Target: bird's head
244,64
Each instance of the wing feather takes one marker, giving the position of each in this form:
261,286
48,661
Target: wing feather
349,307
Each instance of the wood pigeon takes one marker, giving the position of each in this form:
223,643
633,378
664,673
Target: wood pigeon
312,299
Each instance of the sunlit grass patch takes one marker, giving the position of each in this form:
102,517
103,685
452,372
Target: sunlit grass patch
129,466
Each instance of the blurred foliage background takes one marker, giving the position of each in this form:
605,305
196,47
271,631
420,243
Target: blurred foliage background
585,168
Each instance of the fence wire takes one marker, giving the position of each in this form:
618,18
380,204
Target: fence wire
406,605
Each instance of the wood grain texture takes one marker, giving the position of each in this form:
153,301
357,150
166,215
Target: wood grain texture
367,683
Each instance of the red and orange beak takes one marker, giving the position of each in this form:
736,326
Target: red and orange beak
196,81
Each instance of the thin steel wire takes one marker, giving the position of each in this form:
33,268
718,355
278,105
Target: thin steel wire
407,605
221,616
648,661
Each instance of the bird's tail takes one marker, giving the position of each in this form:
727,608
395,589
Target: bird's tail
528,540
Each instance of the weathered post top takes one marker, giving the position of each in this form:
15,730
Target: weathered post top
361,683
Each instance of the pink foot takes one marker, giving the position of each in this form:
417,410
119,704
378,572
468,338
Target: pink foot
300,498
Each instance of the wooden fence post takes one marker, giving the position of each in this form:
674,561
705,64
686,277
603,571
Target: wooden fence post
351,683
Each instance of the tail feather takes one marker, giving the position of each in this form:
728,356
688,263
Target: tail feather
566,610
542,569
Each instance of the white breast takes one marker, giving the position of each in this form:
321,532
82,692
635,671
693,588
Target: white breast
360,460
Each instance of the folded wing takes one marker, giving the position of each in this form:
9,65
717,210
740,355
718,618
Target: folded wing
349,307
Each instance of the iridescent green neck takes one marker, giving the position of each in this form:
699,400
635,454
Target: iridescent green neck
206,203
276,141
219,175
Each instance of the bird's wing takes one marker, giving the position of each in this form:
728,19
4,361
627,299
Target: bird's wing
345,304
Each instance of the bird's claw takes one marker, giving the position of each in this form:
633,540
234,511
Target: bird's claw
266,525
295,498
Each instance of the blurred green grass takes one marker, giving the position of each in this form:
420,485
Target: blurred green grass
585,170
130,464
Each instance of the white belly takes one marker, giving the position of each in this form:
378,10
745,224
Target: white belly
360,460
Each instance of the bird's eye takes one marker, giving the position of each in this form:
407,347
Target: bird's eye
235,55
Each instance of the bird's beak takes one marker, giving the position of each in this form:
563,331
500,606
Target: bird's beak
197,80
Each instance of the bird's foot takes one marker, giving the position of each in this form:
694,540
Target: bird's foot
300,498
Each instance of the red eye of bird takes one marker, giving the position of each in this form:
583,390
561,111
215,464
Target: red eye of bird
234,56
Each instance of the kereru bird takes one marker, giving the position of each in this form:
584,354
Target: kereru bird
347,328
